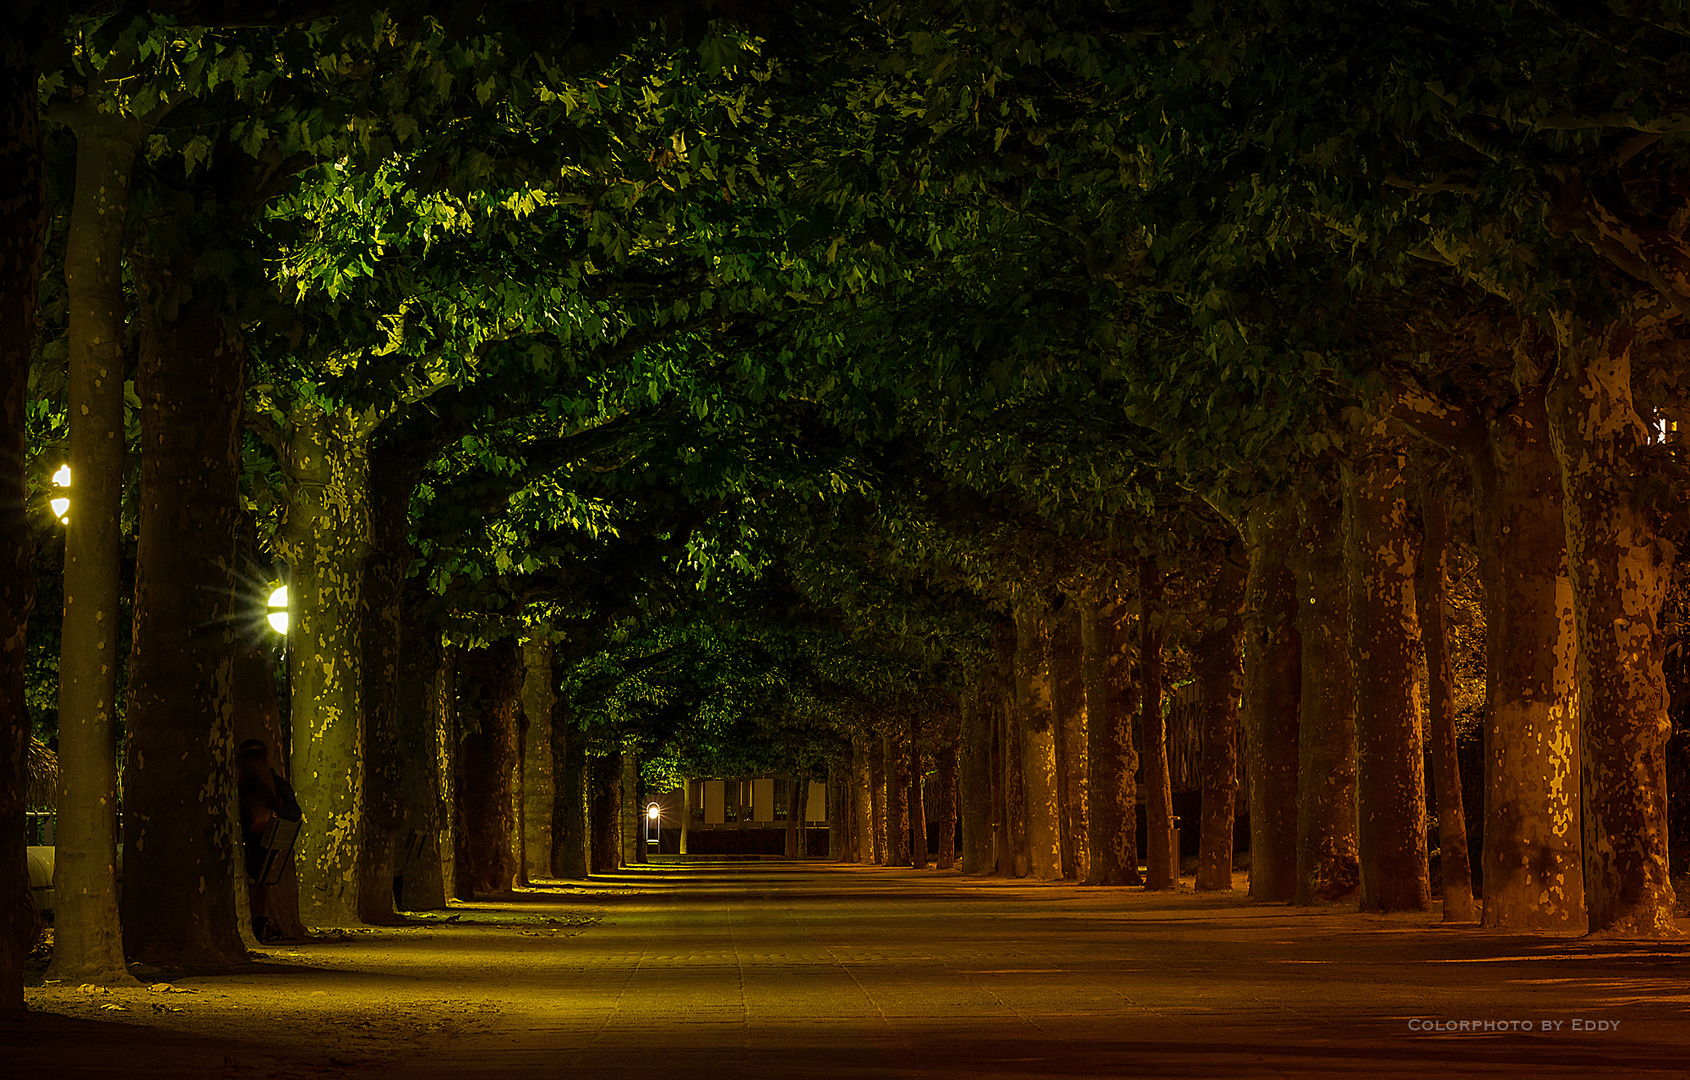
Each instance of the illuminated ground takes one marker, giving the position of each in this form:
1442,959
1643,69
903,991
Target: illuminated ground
768,970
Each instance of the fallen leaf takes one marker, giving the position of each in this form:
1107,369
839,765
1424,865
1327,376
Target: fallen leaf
112,1006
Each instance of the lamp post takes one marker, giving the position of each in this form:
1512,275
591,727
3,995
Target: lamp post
654,819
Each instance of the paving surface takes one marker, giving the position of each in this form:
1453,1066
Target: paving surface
818,971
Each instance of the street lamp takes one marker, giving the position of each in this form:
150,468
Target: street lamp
278,614
653,816
61,502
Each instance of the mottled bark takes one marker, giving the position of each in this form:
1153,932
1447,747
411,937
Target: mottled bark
426,740
1532,859
326,539
1272,695
1035,728
1219,668
489,691
571,844
1111,759
23,230
1161,861
898,796
975,783
839,818
1620,567
1068,700
1456,874
633,810
945,780
1380,564
87,933
1326,741
605,812
539,789
179,817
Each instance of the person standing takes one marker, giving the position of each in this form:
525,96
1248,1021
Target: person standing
264,795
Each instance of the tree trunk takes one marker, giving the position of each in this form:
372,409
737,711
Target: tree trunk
180,821
974,750
861,807
1446,767
796,838
538,783
1219,668
877,799
1272,695
1068,699
87,935
1111,760
918,805
898,796
633,810
606,812
1326,806
1621,566
838,813
1384,640
425,737
23,231
571,848
944,840
1013,858
489,686
382,644
1161,862
325,539
1532,861
1035,725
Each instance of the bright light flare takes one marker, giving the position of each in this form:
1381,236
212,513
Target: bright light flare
652,811
278,616
62,477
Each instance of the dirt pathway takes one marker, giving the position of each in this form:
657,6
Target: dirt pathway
778,970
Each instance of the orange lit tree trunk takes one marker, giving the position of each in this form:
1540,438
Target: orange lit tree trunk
1219,668
1380,567
1035,726
1272,696
1326,739
1068,699
1013,860
862,808
1620,567
539,777
1161,861
1532,861
878,831
1456,873
1111,759
179,815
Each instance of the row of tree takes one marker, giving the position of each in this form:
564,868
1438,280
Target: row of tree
781,367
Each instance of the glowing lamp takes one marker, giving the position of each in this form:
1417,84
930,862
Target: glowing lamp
278,615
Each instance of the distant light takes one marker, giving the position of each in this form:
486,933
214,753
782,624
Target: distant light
651,811
278,616
62,477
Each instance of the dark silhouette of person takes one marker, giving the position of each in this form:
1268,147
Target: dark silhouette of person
264,795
